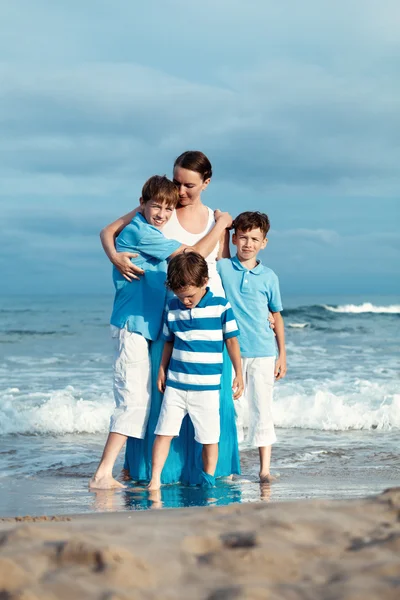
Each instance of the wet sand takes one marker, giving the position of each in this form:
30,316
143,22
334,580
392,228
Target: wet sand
302,550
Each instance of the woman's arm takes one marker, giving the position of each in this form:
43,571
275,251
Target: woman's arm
122,260
209,241
224,250
207,244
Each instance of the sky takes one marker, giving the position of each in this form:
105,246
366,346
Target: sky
295,103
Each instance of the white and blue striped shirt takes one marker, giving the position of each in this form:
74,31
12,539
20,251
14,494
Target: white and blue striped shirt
198,334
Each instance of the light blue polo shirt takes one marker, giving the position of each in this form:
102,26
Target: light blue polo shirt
252,295
139,304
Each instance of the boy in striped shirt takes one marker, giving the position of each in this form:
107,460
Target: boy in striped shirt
196,327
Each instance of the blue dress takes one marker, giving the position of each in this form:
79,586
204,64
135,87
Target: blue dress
184,462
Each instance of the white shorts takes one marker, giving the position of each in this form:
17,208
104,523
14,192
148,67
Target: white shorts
202,407
256,402
132,383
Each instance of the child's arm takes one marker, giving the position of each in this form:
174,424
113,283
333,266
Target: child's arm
121,260
280,365
162,372
232,345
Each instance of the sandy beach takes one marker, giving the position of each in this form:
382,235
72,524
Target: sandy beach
295,550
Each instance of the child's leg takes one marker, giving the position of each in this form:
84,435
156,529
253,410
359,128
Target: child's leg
203,409
132,392
265,464
161,447
210,458
103,478
173,410
132,384
261,433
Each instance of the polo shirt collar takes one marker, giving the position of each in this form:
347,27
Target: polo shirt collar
238,265
141,218
205,299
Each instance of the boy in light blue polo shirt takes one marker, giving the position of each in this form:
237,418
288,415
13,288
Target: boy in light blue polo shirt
137,315
253,292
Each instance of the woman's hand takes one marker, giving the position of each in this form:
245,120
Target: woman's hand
122,261
225,216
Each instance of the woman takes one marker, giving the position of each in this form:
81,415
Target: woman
191,221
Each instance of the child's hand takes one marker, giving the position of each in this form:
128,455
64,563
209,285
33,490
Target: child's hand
271,320
237,387
280,367
161,380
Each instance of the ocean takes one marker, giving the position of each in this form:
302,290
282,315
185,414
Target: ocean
337,412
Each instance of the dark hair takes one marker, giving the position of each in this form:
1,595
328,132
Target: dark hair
251,220
186,269
161,189
194,160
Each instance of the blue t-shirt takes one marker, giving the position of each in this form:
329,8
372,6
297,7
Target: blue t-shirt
139,305
252,294
198,334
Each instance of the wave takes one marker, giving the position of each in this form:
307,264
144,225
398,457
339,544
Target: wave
324,312
366,307
28,332
367,405
58,412
327,411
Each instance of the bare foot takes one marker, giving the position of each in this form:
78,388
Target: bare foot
154,485
227,478
267,478
104,483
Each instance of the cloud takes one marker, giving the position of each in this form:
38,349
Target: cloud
326,257
295,103
286,125
284,100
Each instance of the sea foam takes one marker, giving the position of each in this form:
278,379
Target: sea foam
320,407
328,411
58,412
366,307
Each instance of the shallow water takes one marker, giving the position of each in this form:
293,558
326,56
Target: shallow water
338,411
310,464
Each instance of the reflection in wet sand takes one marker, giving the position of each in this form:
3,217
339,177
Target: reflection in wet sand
265,492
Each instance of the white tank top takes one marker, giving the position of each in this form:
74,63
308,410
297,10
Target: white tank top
173,230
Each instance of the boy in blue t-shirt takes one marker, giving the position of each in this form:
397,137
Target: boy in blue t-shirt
253,291
137,315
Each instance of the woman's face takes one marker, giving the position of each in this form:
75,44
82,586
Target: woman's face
190,185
